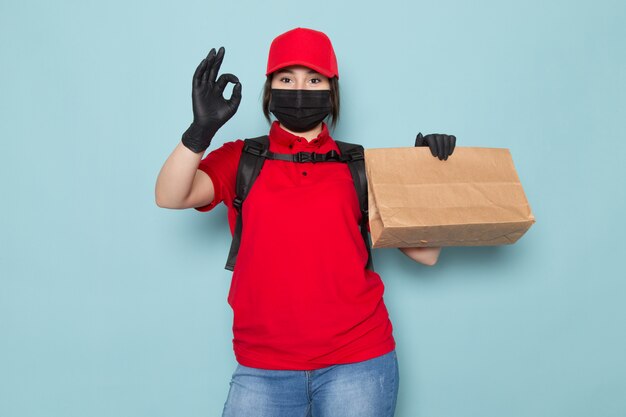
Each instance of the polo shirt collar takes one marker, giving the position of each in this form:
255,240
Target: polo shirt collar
284,138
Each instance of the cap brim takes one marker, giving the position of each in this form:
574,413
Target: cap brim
306,64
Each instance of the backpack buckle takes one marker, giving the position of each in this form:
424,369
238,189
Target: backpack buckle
237,203
318,157
333,155
302,157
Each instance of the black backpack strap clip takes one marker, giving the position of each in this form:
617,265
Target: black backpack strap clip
253,147
330,156
302,157
355,155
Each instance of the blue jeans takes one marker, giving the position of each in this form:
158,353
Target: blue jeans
364,389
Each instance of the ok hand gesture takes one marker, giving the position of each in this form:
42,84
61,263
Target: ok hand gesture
210,109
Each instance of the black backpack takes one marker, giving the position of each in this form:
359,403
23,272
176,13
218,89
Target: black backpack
256,151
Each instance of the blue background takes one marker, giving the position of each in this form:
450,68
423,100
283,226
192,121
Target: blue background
112,306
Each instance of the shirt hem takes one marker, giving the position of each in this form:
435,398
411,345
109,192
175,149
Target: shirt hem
357,356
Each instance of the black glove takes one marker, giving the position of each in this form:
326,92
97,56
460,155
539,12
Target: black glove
210,109
440,145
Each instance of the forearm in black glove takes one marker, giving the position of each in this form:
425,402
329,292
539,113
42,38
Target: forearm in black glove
210,109
440,145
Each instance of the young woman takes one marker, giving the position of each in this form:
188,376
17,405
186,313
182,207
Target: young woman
312,335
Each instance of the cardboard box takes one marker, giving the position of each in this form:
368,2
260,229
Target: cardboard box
474,198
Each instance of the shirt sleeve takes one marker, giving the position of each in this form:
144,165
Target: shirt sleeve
221,166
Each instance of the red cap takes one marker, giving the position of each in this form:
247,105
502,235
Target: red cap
302,46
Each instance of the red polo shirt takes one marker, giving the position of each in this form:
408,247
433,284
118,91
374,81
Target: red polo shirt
301,296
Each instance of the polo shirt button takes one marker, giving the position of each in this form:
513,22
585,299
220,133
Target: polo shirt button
304,173
290,146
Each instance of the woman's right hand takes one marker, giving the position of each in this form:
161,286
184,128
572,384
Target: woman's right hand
210,109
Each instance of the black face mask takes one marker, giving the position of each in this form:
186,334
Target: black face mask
300,110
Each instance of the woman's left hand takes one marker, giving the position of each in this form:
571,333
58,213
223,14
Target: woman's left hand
440,145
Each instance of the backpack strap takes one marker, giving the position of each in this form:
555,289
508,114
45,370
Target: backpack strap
355,157
250,164
253,155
